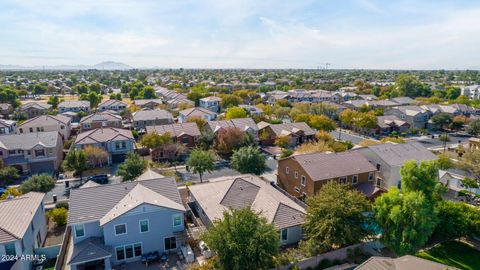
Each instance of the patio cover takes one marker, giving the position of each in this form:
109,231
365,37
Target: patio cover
89,250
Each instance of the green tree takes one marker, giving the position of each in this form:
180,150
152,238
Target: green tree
154,140
321,122
149,92
283,141
248,159
243,240
470,183
444,162
8,175
132,167
422,176
442,120
348,116
366,120
38,183
201,161
59,216
329,223
456,219
54,101
230,101
410,86
93,97
76,160
474,128
408,220
235,112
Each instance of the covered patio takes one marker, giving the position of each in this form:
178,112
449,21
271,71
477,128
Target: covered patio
90,254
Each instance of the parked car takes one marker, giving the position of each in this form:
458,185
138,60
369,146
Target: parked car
99,178
2,190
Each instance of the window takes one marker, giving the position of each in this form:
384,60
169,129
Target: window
144,226
137,249
185,140
124,145
370,176
21,130
120,229
170,243
10,249
297,189
379,181
284,234
296,174
177,220
39,239
303,180
62,127
343,180
11,152
354,179
129,251
40,153
79,230
286,170
120,253
31,130
378,167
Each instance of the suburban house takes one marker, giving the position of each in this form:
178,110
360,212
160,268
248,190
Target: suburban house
298,133
101,119
251,109
116,141
74,106
112,105
32,152
23,229
437,108
211,103
184,133
44,123
388,158
403,101
180,101
416,116
33,109
471,91
407,262
304,175
244,124
5,110
148,103
118,223
196,112
7,126
147,117
453,181
390,123
211,199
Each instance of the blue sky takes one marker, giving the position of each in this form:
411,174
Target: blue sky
399,34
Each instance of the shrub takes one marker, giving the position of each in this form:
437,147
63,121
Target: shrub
61,205
59,216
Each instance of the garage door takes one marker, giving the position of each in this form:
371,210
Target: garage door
119,158
42,167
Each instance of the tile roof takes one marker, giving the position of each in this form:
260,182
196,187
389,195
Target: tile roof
403,100
46,120
17,214
143,115
175,129
247,190
196,111
88,250
101,117
289,128
142,102
74,104
27,141
7,123
321,166
36,105
240,123
397,154
406,262
100,135
95,203
211,98
387,120
112,102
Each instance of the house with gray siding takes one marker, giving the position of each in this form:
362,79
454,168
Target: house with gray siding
118,223
220,194
74,106
23,229
416,116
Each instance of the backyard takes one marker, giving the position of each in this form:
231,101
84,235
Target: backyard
454,253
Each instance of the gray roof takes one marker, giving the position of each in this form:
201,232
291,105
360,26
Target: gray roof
46,120
411,110
196,111
403,100
112,102
387,121
289,128
406,262
143,102
248,191
175,129
17,214
240,123
101,117
90,249
143,115
27,141
94,203
7,123
397,154
74,104
100,135
36,105
321,166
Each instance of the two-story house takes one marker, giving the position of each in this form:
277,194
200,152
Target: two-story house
74,106
298,133
32,152
415,116
148,103
116,141
211,103
112,105
213,198
23,228
45,123
7,126
243,124
5,110
33,109
196,112
118,223
304,175
388,158
101,119
147,117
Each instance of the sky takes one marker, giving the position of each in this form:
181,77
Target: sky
369,34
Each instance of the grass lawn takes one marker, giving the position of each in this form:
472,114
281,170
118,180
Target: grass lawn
453,253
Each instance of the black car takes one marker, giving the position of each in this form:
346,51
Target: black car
99,178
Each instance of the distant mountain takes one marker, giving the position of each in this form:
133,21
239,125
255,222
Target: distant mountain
107,65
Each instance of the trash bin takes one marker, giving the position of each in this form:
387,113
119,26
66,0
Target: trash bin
54,198
67,184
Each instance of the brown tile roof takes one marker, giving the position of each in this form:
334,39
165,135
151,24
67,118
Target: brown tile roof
240,123
101,117
100,135
288,128
45,120
196,111
321,166
175,129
